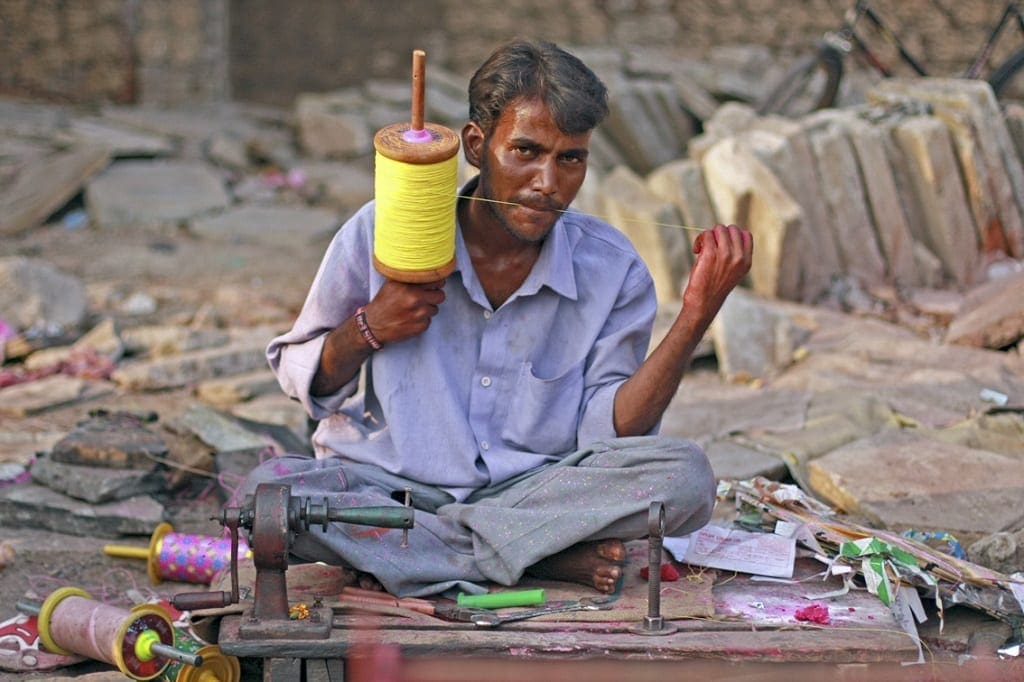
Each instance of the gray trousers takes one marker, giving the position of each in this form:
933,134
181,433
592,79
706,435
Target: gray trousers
600,492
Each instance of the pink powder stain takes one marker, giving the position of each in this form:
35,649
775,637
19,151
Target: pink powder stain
815,613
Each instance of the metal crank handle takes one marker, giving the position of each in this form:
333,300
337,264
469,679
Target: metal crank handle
490,620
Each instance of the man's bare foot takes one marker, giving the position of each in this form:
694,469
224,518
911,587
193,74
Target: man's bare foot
597,564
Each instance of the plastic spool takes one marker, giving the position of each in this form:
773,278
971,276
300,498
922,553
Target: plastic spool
216,667
71,622
415,187
182,557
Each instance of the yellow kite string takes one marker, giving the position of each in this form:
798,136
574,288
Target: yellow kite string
607,218
415,213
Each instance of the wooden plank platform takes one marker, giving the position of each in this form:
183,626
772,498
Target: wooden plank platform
753,621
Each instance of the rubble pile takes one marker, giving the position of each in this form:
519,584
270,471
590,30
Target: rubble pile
148,256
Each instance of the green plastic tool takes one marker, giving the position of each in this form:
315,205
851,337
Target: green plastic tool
500,600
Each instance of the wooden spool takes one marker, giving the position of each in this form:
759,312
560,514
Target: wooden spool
420,143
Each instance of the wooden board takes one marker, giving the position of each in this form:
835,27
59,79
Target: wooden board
753,621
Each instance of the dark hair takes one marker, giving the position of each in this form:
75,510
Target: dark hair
575,96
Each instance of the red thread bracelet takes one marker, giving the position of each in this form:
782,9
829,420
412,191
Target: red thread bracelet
364,329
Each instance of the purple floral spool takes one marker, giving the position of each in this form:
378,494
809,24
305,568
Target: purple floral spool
182,557
188,558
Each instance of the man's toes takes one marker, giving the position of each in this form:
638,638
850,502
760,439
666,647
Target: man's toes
606,578
612,550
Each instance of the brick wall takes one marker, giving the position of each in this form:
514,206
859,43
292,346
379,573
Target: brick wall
180,51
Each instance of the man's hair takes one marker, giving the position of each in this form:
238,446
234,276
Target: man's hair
575,96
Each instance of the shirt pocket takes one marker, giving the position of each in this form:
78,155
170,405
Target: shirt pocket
543,415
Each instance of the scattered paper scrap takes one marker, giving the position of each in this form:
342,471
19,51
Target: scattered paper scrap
736,550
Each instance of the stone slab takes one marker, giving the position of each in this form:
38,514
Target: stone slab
154,193
46,185
110,440
898,480
32,505
992,316
276,226
95,484
50,392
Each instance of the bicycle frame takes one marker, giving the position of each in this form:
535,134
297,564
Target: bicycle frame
1013,10
847,40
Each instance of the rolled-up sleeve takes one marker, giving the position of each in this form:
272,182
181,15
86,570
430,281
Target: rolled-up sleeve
617,354
341,285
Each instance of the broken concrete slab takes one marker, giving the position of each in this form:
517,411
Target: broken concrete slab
831,420
1000,432
33,505
222,432
343,186
175,371
327,128
33,397
745,192
279,226
785,147
845,198
756,338
652,225
112,440
34,293
899,481
992,315
121,140
939,192
270,414
706,416
972,103
160,340
731,460
102,339
20,446
96,484
238,388
46,185
154,193
895,241
1002,551
681,183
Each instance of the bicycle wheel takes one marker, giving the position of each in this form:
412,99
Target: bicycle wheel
811,83
1003,77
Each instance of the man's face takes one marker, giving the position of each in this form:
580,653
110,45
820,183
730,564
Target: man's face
528,161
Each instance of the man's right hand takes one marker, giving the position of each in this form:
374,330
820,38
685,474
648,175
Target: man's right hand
400,311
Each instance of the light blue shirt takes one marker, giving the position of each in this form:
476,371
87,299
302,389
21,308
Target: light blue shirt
483,395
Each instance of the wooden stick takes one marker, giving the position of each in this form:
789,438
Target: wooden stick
419,65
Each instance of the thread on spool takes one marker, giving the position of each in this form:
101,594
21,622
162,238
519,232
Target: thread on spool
415,183
182,557
70,621
415,213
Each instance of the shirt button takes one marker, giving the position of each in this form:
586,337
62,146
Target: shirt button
484,445
487,314
485,382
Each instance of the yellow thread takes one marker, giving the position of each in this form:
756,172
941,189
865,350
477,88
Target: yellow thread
606,218
415,213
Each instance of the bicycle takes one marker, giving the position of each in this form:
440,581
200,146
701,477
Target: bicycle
813,80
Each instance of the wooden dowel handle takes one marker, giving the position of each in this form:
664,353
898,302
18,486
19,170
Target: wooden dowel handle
419,66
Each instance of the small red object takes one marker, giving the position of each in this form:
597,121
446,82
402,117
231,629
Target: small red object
815,613
669,573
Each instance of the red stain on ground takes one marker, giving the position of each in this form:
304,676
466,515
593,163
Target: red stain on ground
669,573
815,613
